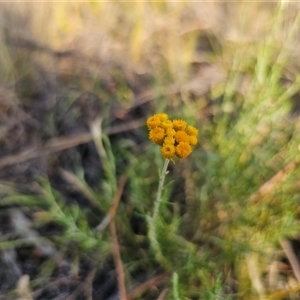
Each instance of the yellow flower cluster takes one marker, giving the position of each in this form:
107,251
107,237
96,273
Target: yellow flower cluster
175,137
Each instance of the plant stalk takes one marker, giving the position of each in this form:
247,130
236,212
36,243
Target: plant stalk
159,191
152,221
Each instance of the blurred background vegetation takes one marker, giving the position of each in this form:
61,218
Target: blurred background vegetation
77,82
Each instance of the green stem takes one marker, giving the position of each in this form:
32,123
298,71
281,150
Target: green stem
175,286
160,188
152,221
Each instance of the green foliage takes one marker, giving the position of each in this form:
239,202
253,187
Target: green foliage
232,199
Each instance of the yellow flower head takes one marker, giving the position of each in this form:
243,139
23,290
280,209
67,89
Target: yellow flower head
168,151
175,137
167,124
157,135
179,124
193,140
181,136
191,130
163,117
153,122
183,150
169,140
170,132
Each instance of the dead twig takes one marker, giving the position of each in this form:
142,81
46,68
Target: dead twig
117,197
113,208
86,286
62,143
146,286
163,294
269,186
89,281
114,237
118,260
291,256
